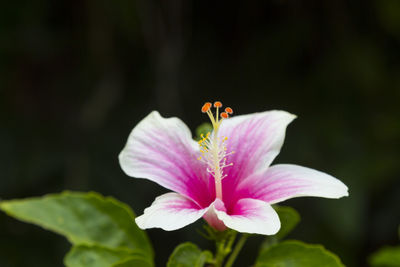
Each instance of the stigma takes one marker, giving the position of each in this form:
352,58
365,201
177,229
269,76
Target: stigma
213,147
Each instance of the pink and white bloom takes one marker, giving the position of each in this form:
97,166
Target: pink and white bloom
226,177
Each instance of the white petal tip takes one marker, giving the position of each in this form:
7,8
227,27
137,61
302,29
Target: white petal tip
143,224
341,189
140,223
345,193
169,212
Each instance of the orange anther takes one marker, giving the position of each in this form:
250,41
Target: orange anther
217,104
229,110
224,115
206,107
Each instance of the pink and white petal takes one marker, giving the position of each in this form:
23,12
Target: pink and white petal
211,216
251,216
162,150
169,212
256,140
284,181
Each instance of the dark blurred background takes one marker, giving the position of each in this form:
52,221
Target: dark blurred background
76,76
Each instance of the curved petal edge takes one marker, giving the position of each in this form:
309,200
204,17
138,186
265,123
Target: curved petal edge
284,181
169,212
162,150
250,216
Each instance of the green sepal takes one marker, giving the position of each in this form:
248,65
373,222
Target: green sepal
289,218
203,128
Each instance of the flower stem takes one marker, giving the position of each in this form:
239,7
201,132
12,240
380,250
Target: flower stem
236,250
223,241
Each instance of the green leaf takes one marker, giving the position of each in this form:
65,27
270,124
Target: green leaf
96,256
297,254
289,219
386,257
204,128
133,261
83,218
188,254
93,256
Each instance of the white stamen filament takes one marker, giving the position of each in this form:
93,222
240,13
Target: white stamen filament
214,153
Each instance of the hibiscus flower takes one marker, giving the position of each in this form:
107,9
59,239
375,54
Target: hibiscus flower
226,177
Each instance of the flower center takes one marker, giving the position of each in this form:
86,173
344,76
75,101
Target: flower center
213,148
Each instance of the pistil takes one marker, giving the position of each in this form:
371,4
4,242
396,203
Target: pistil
213,148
